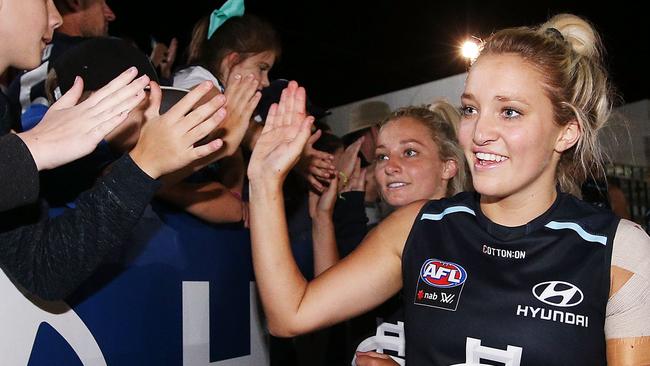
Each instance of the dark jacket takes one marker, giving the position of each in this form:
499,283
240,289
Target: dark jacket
50,257
18,173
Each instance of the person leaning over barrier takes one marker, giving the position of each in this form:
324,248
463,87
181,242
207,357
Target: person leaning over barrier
51,257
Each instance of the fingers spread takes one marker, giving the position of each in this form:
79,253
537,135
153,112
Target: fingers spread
202,113
121,99
180,109
206,126
101,130
115,85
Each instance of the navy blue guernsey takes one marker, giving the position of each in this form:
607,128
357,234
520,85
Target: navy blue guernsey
478,293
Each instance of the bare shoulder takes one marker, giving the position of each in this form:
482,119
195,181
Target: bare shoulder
395,228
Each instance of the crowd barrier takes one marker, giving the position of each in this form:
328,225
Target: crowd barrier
182,293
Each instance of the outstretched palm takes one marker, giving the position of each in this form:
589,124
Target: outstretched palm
285,133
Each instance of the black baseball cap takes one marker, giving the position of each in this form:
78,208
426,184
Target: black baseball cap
99,60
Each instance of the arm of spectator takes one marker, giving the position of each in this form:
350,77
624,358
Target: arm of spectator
215,202
321,208
69,130
350,220
19,177
211,201
52,257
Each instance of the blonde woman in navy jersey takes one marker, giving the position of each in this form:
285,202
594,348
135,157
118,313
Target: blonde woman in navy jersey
520,272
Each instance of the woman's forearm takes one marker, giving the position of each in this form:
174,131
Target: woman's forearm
280,283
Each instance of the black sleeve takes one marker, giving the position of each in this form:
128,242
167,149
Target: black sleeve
350,221
18,173
52,257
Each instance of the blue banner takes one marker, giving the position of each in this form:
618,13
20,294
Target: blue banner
179,294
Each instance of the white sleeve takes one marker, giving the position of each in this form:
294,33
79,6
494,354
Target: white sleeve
192,76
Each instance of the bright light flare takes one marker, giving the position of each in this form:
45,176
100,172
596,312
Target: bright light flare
469,50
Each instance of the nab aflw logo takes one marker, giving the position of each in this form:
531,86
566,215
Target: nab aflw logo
442,274
558,293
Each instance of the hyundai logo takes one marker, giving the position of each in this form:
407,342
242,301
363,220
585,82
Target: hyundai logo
558,293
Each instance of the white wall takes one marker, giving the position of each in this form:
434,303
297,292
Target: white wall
449,88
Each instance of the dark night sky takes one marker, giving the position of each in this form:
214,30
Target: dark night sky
344,51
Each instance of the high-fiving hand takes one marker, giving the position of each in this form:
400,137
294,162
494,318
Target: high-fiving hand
285,133
69,130
167,142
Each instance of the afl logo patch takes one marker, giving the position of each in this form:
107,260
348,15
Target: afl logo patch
441,274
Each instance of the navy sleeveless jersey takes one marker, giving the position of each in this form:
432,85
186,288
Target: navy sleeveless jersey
477,293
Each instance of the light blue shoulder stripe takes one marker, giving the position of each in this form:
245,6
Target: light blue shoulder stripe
447,211
578,229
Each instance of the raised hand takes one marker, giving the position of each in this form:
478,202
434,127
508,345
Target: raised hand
69,131
315,165
346,164
283,138
167,142
322,205
241,99
357,181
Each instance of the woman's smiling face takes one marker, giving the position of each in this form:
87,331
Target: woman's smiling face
507,129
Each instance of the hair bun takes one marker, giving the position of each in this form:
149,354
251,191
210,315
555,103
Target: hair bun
579,33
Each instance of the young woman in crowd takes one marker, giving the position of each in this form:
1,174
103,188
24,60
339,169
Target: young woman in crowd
235,52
